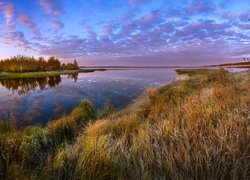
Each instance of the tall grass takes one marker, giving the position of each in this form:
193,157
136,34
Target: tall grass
197,129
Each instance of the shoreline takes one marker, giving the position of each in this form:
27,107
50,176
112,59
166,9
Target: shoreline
10,75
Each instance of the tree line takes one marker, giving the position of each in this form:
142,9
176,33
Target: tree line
30,64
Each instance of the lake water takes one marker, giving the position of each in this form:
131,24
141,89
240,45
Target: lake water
40,100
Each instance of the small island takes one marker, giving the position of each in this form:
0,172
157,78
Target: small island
29,67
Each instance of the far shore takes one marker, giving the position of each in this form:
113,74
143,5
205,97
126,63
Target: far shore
4,75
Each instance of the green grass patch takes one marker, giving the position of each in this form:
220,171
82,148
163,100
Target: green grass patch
195,72
45,73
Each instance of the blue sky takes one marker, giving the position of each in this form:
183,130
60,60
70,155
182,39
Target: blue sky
127,32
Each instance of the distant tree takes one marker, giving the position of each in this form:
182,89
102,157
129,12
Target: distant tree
63,66
75,64
41,64
53,64
22,63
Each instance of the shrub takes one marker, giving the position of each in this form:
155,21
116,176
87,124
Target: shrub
68,127
62,129
36,145
10,158
84,112
222,76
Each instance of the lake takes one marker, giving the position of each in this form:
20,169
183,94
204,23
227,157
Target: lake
36,101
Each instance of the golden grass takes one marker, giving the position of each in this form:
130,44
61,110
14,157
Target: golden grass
197,129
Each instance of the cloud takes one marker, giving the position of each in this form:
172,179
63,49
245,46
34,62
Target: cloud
54,10
245,26
18,38
10,35
56,25
136,3
51,7
201,7
26,20
8,11
241,16
153,35
91,35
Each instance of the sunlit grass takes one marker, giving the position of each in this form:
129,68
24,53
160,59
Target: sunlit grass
42,74
198,129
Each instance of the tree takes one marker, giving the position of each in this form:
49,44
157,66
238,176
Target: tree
30,64
75,64
53,64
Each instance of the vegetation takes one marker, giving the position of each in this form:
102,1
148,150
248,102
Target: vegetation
4,75
19,64
245,64
196,72
197,129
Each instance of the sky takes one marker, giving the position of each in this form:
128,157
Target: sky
127,32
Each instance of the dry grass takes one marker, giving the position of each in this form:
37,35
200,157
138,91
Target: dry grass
196,132
197,129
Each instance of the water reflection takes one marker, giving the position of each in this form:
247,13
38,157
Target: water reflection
22,86
38,100
73,76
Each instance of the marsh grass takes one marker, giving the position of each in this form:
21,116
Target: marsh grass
198,129
195,72
43,73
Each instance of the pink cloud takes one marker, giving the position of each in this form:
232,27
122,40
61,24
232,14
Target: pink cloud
54,10
107,31
201,7
90,34
25,20
56,24
51,7
8,12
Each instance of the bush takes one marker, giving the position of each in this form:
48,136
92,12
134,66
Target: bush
222,76
62,129
10,158
68,127
36,145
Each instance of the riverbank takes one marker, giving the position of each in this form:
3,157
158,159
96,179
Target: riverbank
194,128
46,73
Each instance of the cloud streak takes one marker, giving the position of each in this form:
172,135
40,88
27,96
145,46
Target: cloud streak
8,11
25,20
51,7
54,11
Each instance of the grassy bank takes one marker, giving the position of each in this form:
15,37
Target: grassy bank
245,64
193,129
196,72
45,73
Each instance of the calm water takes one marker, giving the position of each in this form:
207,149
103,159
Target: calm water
40,100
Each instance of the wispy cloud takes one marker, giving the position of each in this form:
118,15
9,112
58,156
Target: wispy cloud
54,10
51,7
136,3
8,11
11,35
26,20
